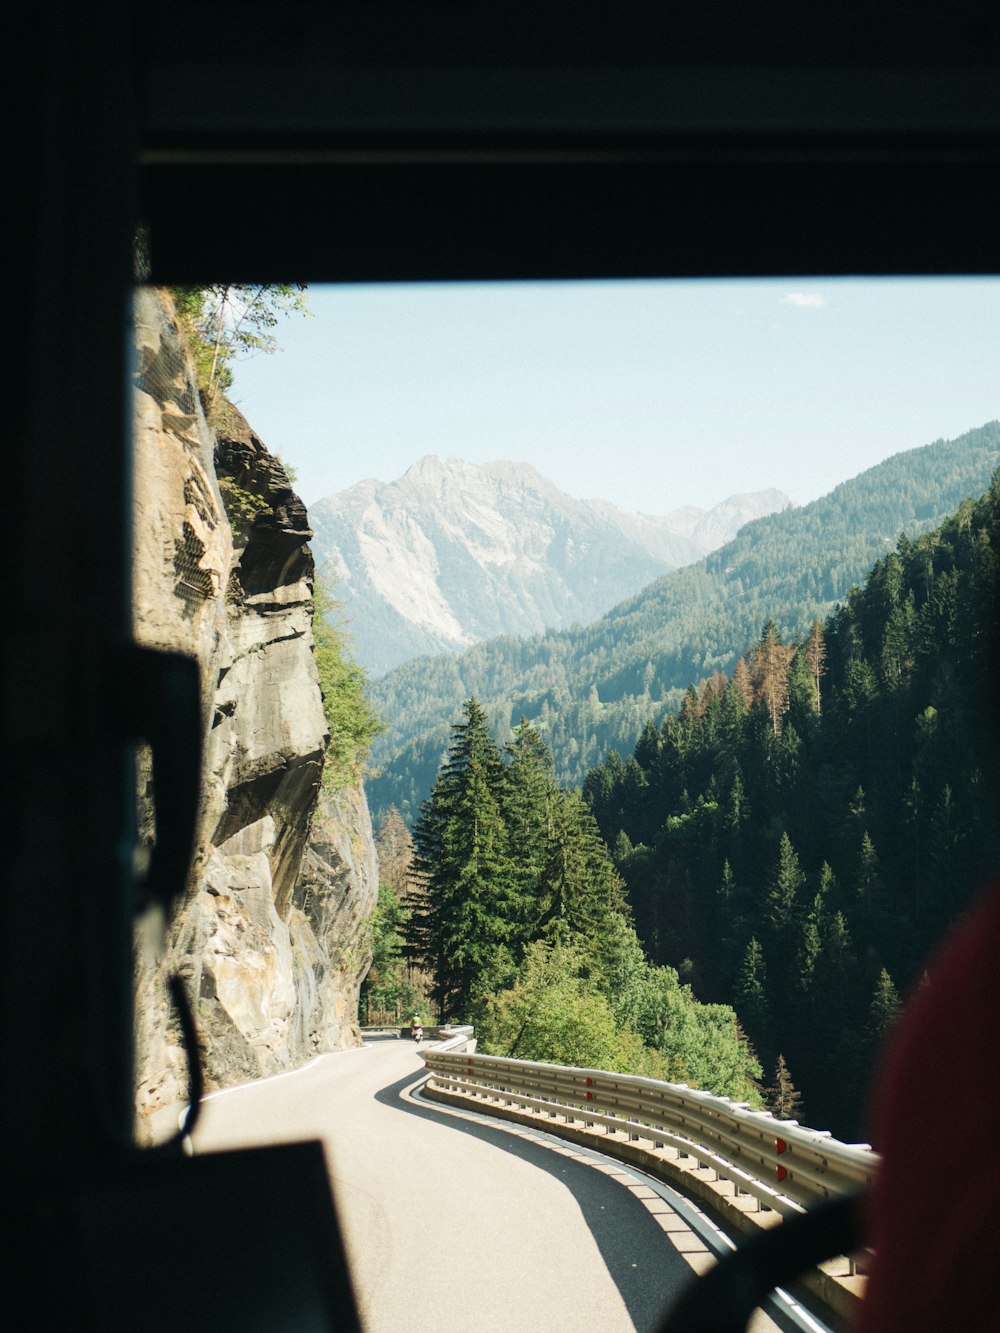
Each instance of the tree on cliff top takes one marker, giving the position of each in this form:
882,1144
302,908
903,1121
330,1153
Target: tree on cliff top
229,321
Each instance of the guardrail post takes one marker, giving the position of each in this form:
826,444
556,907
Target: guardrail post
728,1141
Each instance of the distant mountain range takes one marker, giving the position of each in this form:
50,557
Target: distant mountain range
590,689
453,553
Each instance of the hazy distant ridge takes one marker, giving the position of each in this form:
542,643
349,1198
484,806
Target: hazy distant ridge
453,553
591,689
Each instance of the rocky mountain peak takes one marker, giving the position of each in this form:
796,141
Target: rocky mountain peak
453,552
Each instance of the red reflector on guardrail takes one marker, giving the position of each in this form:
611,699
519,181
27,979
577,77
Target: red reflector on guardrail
780,1146
590,1082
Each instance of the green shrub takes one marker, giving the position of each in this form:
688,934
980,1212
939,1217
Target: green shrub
352,723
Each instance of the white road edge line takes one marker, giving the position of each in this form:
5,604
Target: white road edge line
702,1225
256,1082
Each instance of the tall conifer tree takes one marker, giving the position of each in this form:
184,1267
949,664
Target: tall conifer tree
579,884
782,895
783,1099
771,663
529,799
816,659
751,999
462,855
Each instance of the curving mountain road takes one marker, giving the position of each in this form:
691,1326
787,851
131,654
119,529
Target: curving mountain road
452,1222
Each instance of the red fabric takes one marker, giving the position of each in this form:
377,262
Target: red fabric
935,1211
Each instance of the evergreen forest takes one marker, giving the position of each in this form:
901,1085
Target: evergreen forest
522,923
591,690
799,835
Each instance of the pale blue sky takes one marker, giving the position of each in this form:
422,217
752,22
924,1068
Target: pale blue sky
649,394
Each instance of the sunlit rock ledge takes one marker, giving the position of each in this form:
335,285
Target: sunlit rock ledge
270,934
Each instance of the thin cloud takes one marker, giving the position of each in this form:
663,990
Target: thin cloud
805,300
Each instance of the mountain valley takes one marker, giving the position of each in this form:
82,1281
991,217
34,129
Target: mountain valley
453,553
593,688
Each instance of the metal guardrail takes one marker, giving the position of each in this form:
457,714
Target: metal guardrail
446,1036
452,1038
783,1164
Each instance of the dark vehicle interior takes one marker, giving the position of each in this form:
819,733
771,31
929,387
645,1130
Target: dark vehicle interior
380,141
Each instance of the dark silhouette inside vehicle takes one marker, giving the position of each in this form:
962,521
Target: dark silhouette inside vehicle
375,141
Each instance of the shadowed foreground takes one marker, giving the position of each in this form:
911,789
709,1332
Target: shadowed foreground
452,1224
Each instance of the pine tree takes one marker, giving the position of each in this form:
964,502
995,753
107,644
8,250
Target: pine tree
751,999
782,895
853,825
579,885
742,683
814,929
867,878
387,988
896,659
781,924
727,931
396,855
394,845
875,920
462,857
810,944
827,892
726,892
737,809
529,799
836,980
782,1097
882,1011
801,697
816,659
648,746
770,665
623,848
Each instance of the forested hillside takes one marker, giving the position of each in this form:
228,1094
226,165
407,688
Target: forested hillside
524,927
796,840
589,690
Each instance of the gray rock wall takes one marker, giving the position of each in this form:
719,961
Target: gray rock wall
271,933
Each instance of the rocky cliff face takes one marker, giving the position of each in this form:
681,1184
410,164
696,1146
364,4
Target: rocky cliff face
454,552
270,936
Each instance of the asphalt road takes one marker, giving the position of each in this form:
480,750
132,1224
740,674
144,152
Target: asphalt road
455,1223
